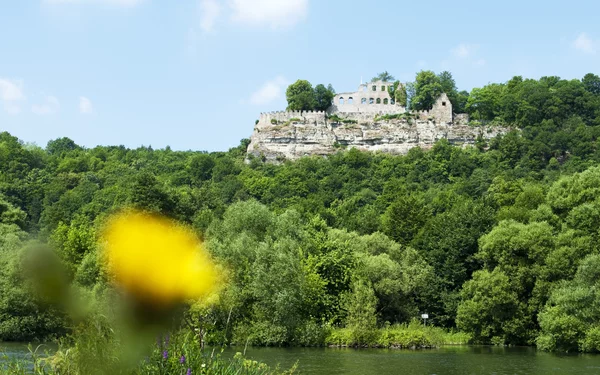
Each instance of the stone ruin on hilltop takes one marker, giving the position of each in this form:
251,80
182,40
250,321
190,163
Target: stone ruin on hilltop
369,120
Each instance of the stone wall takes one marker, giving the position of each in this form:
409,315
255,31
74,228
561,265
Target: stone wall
281,117
440,113
370,98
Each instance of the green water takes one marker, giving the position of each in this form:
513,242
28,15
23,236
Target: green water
457,360
444,361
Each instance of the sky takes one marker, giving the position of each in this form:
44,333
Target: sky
196,74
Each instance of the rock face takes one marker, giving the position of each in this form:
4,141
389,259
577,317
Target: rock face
291,135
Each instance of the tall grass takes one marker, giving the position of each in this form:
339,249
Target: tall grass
412,335
94,352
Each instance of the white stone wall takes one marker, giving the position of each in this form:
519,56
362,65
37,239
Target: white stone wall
285,116
360,101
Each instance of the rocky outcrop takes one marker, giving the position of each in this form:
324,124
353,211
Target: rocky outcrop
275,138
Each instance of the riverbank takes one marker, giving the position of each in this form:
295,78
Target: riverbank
398,336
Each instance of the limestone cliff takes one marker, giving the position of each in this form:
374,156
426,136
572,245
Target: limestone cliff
291,135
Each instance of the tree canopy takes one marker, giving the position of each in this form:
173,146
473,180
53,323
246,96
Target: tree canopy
302,97
499,240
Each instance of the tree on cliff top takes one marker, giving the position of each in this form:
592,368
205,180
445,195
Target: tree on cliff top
300,96
383,76
427,89
323,97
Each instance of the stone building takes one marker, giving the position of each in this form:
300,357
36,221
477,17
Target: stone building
371,97
441,112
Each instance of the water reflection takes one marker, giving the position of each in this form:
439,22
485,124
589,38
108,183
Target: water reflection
452,360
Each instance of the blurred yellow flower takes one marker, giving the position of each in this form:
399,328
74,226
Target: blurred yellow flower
157,260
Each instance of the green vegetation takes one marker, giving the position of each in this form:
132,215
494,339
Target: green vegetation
428,86
499,241
390,117
383,76
302,97
93,350
399,336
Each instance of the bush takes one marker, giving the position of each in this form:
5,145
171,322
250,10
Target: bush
400,336
591,342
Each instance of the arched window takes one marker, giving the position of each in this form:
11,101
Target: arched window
385,101
363,101
341,101
378,100
371,101
350,100
382,88
392,101
374,88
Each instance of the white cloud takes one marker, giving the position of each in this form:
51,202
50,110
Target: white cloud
463,55
209,12
122,3
463,50
269,92
11,94
85,106
272,13
50,106
585,44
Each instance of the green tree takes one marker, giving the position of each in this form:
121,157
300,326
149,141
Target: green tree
399,94
404,218
361,307
323,97
427,89
449,87
569,321
591,82
300,96
383,76
61,146
201,167
490,309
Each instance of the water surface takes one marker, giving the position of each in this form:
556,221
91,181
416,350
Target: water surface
451,360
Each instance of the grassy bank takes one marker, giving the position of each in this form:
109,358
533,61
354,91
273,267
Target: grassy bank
400,336
91,354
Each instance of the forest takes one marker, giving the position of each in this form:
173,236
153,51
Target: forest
498,242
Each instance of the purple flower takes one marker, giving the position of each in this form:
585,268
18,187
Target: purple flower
182,359
189,372
165,354
167,338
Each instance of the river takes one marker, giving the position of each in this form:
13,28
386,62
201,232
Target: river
450,360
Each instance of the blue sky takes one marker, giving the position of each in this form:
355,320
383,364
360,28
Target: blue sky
195,74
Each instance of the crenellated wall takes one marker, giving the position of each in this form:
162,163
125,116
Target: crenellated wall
285,116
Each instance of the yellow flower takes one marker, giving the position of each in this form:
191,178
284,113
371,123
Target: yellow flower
157,260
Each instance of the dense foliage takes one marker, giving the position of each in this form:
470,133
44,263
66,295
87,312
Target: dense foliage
302,97
498,240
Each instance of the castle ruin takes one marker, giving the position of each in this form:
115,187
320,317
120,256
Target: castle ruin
375,98
368,119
